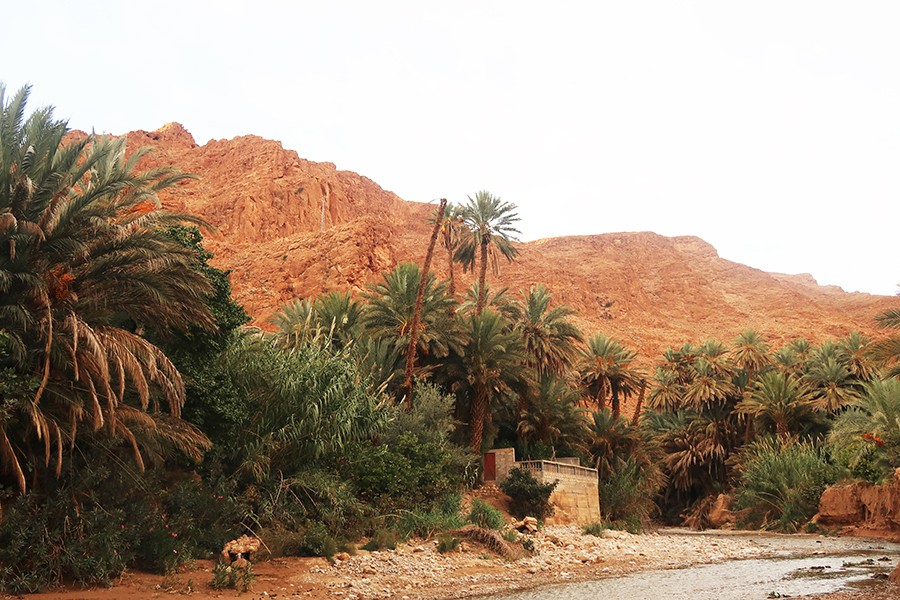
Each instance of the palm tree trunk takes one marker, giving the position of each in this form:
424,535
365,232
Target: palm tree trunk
476,422
417,310
482,277
451,264
640,403
616,409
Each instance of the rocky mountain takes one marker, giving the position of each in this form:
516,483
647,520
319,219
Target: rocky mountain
288,227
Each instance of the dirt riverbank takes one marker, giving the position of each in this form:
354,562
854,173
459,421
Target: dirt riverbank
416,570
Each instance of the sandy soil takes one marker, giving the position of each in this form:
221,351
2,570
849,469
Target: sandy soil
416,570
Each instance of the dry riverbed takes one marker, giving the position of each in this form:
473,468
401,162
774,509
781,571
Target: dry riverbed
416,570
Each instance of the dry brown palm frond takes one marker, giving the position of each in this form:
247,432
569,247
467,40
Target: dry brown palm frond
156,431
8,457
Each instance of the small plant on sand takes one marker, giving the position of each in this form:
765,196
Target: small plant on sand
238,575
486,516
595,529
381,540
447,543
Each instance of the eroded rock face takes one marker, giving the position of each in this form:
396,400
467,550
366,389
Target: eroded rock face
652,292
862,505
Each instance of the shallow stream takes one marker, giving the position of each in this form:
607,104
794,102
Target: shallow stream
839,564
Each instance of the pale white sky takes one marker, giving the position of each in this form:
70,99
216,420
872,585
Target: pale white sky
771,129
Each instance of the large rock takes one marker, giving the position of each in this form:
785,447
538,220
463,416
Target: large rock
864,505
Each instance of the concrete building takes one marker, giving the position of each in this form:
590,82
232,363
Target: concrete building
575,496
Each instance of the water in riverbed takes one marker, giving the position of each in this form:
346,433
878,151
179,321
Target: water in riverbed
733,580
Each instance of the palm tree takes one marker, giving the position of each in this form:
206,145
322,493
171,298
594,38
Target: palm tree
608,370
870,428
86,265
781,400
887,350
855,352
388,314
340,315
831,385
417,310
667,393
451,233
750,353
490,367
490,222
711,386
550,338
553,417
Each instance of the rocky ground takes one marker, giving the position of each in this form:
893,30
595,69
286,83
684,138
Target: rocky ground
416,570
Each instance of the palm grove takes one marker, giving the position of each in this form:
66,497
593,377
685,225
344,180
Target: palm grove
134,406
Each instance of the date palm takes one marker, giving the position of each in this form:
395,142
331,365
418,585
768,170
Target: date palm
490,222
750,353
608,371
550,337
887,351
490,367
85,266
553,416
388,314
781,400
831,385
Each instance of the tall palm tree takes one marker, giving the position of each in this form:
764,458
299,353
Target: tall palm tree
417,309
85,266
781,400
490,222
550,337
490,366
608,370
451,234
855,351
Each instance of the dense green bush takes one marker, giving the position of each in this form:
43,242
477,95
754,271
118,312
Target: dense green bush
781,483
425,523
528,497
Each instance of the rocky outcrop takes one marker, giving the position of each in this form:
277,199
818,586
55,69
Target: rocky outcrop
867,507
266,204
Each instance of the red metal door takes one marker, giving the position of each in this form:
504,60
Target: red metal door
490,467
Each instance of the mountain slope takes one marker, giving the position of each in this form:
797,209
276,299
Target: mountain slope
266,204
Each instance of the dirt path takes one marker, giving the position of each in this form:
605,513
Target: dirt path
416,570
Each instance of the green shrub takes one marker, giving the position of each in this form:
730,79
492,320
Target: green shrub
528,497
627,490
485,516
594,529
781,484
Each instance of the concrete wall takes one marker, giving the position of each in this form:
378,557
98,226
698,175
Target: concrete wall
575,497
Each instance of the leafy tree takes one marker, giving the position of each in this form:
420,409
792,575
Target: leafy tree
491,225
307,402
86,264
